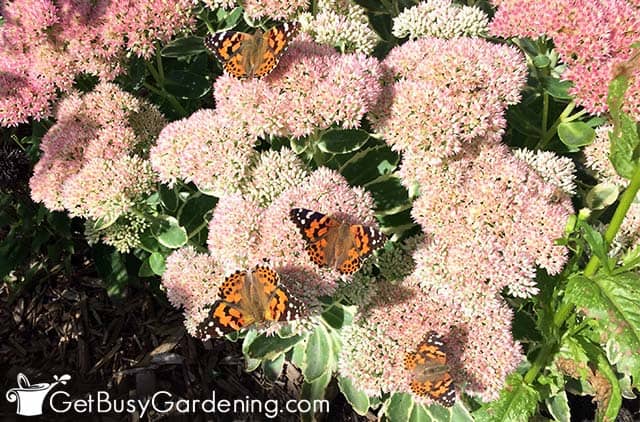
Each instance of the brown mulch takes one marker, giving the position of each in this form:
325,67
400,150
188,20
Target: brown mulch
131,346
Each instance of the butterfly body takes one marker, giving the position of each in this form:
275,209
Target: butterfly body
251,55
430,372
335,244
249,298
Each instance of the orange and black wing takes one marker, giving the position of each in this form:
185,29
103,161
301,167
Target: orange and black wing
314,227
430,353
223,318
277,41
364,240
227,47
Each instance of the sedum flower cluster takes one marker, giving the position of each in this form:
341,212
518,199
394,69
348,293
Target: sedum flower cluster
44,44
93,161
594,38
440,19
342,24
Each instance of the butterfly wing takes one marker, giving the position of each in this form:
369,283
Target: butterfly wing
281,305
223,318
275,41
314,227
436,384
364,241
227,47
225,315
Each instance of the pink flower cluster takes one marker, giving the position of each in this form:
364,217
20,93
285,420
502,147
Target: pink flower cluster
312,88
207,149
191,281
89,164
257,9
44,44
480,349
493,220
593,38
243,234
441,95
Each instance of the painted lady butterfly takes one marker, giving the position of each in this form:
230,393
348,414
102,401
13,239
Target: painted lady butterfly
335,244
247,298
430,371
251,55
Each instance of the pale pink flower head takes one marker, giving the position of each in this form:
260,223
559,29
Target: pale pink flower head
191,280
312,88
107,188
234,232
340,24
443,94
274,9
493,220
273,173
440,19
596,157
97,135
553,168
207,149
592,37
476,329
45,44
23,93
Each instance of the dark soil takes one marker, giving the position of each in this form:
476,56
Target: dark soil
131,347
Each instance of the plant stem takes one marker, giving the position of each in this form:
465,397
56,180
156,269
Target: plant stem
616,221
158,75
566,309
549,134
545,111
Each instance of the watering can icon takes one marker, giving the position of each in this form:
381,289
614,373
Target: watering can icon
31,396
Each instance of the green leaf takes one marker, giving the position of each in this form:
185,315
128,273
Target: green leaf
518,402
625,146
318,354
145,269
596,243
389,195
420,414
195,212
602,195
357,399
273,368
186,84
168,198
576,134
557,89
398,407
612,301
111,267
312,391
104,222
558,406
338,315
233,17
541,61
369,164
270,347
184,47
171,234
342,141
609,399
156,263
